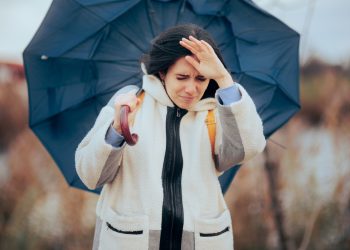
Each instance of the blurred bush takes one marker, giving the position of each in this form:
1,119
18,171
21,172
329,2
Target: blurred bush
37,208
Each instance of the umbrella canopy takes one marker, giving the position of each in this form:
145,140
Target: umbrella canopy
85,50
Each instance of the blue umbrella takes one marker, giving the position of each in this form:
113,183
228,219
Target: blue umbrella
85,50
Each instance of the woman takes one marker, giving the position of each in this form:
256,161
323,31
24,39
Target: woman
163,193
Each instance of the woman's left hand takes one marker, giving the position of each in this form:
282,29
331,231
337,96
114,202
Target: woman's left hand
206,62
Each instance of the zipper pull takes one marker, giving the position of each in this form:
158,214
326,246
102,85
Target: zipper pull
178,112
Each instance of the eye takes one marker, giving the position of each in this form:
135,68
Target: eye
180,78
201,79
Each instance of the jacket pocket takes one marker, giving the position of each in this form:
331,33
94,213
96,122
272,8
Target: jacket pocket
124,232
214,233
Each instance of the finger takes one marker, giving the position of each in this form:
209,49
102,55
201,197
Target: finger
194,43
131,117
198,44
205,47
128,99
189,45
195,46
208,46
132,103
193,62
193,39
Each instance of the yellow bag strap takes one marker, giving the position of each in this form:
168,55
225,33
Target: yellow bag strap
140,96
211,125
210,121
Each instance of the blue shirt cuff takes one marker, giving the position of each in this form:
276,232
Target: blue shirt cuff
229,95
113,137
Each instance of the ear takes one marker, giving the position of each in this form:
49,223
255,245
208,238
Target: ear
161,75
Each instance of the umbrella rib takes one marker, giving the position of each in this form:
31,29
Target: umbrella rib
219,13
129,39
90,11
105,92
100,3
226,44
277,143
150,15
108,91
97,16
97,43
256,42
281,87
180,11
124,62
253,5
106,23
286,93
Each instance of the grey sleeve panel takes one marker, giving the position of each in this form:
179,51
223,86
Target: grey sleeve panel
97,233
187,240
231,150
111,167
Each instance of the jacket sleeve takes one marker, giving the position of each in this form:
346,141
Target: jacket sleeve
97,161
240,135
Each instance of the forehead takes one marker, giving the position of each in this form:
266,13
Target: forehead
181,66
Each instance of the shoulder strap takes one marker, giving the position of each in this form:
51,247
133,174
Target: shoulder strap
210,121
140,95
211,125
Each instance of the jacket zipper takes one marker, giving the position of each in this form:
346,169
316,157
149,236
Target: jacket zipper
172,178
178,115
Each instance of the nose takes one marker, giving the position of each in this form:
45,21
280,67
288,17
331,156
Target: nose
191,87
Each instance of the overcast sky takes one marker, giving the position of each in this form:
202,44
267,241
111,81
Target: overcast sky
323,24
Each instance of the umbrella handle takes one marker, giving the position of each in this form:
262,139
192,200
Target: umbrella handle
130,139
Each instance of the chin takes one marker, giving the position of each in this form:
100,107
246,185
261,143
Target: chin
184,106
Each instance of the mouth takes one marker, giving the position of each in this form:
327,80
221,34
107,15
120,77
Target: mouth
188,98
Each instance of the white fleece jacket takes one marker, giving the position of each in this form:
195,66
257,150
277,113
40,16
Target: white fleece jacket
132,194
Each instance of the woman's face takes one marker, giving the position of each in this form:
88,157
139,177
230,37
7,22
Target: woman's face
183,83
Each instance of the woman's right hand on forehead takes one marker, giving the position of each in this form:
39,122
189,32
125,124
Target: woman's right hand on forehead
206,62
128,99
